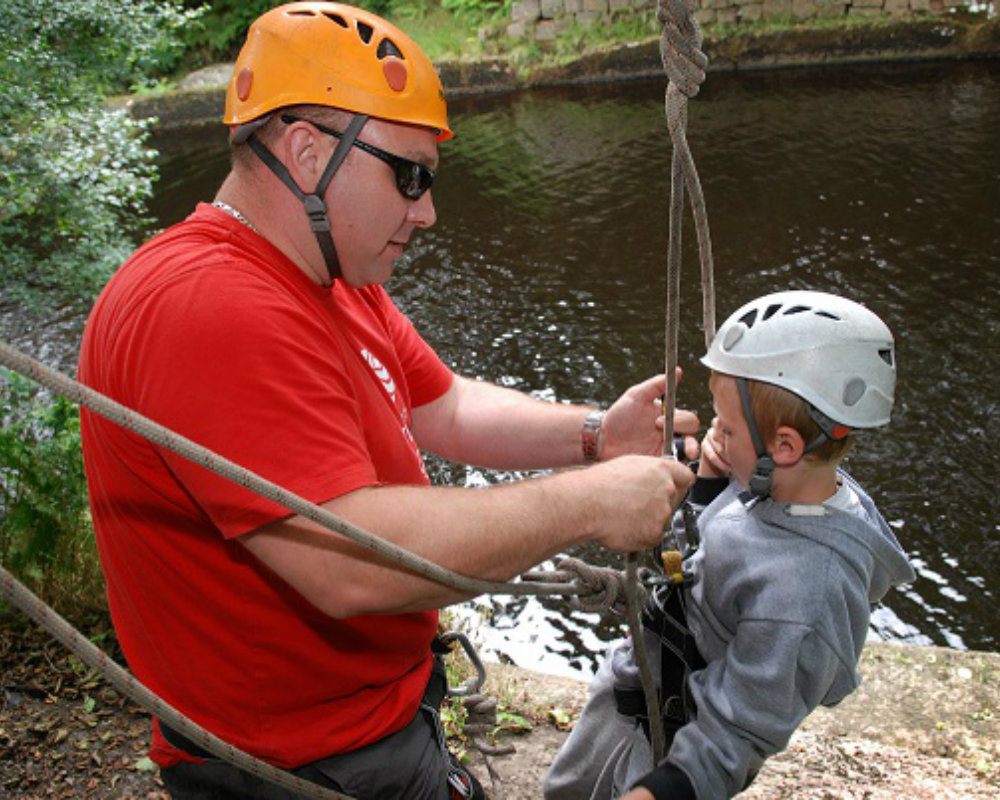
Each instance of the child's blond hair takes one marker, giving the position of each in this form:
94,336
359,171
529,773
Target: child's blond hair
774,406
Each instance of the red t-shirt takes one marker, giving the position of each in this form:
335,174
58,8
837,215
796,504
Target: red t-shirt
214,333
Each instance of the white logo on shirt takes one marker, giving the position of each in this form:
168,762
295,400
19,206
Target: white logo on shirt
381,373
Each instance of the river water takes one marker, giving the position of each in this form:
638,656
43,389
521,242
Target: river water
546,272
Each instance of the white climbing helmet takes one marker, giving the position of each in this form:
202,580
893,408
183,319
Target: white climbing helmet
830,351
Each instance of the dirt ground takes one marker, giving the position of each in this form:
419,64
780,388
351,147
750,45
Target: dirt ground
925,724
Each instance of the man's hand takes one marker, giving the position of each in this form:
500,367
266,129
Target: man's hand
636,498
634,424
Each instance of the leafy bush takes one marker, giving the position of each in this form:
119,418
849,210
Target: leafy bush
45,532
75,177
76,174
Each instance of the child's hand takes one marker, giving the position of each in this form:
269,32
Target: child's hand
639,794
713,462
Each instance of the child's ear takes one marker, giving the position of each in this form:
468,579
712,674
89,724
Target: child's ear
787,446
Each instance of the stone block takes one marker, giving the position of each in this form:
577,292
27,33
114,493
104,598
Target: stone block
831,10
777,8
805,9
525,10
597,6
619,5
587,19
573,6
548,29
920,5
897,8
517,30
866,3
552,8
705,16
727,16
865,12
716,4
752,12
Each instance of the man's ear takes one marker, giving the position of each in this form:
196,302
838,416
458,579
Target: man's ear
787,446
300,150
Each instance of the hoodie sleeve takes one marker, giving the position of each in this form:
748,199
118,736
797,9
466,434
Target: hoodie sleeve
750,702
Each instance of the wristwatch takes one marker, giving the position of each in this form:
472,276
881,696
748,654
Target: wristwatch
590,434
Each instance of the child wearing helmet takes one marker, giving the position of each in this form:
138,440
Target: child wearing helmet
791,553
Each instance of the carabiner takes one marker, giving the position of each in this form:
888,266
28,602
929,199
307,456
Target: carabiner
472,685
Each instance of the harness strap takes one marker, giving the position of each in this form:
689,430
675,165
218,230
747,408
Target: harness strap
665,616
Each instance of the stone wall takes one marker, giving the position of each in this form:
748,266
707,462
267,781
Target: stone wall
545,19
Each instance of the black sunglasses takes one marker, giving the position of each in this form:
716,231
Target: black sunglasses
412,178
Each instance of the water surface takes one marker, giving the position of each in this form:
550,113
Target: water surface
546,273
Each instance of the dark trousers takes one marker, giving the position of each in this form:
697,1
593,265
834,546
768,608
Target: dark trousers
411,764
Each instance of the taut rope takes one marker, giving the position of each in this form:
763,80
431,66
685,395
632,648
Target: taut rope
120,679
685,64
156,433
581,581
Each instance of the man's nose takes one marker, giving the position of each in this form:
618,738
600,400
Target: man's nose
422,212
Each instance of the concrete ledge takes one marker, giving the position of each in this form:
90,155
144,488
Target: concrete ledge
202,96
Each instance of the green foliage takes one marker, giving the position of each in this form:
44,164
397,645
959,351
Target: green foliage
75,174
45,532
219,33
477,12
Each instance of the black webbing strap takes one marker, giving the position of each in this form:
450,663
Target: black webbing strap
665,616
760,481
314,204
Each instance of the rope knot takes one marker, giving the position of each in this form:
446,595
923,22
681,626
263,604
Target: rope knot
680,46
602,587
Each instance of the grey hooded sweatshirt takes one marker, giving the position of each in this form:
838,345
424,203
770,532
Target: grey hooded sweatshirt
779,607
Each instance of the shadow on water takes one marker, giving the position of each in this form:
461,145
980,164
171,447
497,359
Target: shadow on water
545,272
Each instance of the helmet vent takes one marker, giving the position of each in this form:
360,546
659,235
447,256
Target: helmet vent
771,311
749,318
796,310
388,48
365,32
886,356
336,18
828,315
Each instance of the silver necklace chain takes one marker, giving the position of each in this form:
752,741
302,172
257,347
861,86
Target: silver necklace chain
234,213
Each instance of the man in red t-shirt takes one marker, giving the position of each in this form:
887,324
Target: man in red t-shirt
259,328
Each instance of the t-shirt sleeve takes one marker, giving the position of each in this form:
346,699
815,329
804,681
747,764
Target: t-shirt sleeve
427,376
255,378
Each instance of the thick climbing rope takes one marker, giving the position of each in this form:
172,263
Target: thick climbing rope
124,683
685,64
581,582
592,588
158,434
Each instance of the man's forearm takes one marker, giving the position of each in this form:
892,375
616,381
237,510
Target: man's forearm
493,533
491,426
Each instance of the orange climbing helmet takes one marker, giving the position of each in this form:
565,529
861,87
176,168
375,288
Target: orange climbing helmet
335,55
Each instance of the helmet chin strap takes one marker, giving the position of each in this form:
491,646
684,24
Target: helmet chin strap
763,471
762,478
313,202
